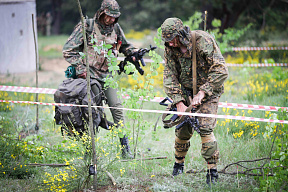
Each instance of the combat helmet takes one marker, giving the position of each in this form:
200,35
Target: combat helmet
109,7
172,27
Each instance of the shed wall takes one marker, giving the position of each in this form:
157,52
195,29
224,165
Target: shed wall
17,48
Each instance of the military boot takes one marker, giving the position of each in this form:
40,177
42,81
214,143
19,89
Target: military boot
212,176
125,148
178,168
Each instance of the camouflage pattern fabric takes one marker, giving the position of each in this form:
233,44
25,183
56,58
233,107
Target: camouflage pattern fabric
98,65
75,42
111,8
211,69
209,151
177,76
170,28
181,147
173,27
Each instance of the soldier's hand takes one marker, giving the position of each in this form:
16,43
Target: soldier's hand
198,98
181,107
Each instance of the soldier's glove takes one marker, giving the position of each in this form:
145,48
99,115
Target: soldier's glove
83,75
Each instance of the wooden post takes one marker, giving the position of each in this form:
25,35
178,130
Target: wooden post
205,20
94,160
36,54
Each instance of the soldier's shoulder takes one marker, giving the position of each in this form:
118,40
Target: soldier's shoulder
203,35
89,24
203,39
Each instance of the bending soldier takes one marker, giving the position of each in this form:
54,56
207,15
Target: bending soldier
178,80
103,27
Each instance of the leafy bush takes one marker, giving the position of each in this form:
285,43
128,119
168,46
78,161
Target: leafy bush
226,40
278,163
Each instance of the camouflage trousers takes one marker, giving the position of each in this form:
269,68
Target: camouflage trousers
209,151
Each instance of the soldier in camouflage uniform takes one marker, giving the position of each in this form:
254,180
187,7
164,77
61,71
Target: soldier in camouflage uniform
103,27
177,80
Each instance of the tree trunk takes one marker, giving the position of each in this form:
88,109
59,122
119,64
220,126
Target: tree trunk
228,16
57,17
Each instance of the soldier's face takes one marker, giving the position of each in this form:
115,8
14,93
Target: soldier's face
174,42
108,20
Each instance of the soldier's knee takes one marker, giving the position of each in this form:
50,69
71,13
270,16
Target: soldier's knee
210,150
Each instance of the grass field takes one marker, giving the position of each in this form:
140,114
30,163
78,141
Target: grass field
22,146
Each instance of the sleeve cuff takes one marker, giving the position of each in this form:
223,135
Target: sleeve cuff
207,89
177,99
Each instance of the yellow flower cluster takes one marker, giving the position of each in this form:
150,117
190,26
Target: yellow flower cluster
128,82
239,134
137,34
5,106
60,180
122,171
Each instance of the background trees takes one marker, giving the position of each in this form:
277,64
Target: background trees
266,15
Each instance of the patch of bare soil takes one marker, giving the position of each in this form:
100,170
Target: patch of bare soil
51,74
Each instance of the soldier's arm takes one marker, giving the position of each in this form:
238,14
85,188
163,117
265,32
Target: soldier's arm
72,47
218,71
126,47
170,78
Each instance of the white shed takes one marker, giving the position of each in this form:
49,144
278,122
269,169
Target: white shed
17,48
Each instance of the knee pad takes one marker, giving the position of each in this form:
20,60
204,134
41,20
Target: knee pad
210,151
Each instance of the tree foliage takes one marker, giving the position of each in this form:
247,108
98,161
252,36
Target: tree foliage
266,15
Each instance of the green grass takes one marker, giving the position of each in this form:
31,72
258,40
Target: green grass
48,146
138,175
51,47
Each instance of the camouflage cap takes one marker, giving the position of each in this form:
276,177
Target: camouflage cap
170,28
111,8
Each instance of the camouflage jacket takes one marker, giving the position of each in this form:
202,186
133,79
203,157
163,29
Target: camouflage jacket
211,69
75,44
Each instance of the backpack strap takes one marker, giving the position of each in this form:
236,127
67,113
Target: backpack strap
89,26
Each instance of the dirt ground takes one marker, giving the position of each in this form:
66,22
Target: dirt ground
51,74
